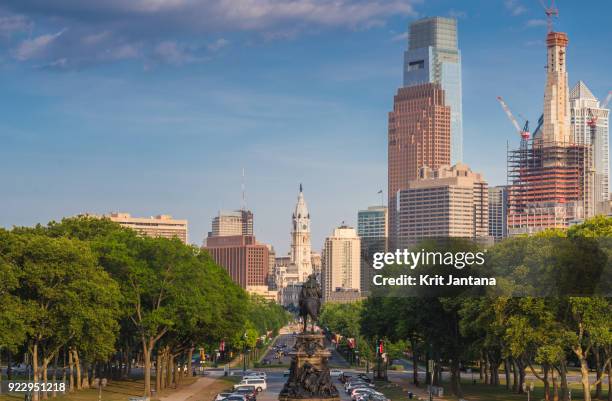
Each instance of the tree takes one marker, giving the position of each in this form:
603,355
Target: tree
66,297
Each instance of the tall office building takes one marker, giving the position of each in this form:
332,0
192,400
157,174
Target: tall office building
300,239
162,225
585,108
419,135
498,212
442,203
246,260
556,128
433,56
228,223
550,179
340,271
373,229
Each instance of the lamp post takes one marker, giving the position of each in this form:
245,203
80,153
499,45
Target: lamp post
244,353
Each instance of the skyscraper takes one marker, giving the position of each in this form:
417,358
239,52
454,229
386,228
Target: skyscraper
340,271
498,212
447,202
373,229
551,183
238,222
433,56
300,239
585,108
246,260
419,135
556,128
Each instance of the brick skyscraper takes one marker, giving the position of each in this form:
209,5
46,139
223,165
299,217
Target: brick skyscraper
419,135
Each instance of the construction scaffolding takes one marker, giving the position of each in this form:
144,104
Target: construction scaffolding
549,185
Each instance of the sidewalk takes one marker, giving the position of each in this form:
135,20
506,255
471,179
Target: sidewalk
190,392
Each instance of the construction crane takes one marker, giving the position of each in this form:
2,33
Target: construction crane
524,132
550,11
592,121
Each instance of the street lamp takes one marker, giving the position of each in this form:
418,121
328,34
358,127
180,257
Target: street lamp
244,353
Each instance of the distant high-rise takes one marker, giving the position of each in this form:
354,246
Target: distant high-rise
442,203
340,271
551,178
419,135
246,260
162,225
300,239
498,212
585,108
238,222
556,128
373,229
433,56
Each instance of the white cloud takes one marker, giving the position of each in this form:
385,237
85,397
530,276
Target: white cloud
515,7
400,37
218,44
33,48
172,53
536,22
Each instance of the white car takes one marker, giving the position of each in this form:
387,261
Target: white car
258,375
336,373
359,391
222,396
259,383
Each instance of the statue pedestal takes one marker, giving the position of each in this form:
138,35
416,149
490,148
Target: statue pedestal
309,377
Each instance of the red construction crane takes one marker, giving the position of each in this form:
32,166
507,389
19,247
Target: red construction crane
524,132
550,11
592,121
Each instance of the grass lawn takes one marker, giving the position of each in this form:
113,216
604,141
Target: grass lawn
123,389
219,385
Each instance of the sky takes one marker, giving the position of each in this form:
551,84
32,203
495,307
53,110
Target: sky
156,106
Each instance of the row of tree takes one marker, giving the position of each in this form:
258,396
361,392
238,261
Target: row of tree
94,296
513,326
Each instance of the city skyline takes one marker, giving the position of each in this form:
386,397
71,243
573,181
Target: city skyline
140,123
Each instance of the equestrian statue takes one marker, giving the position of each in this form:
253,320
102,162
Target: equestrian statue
310,301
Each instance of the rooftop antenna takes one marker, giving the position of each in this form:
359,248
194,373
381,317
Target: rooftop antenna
243,187
550,11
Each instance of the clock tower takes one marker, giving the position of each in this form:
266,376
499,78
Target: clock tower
300,239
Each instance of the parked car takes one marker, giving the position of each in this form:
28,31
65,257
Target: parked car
362,390
249,391
235,397
357,384
335,372
259,383
222,396
371,397
286,373
364,377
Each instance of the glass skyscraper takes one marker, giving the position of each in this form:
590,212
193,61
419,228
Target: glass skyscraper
433,56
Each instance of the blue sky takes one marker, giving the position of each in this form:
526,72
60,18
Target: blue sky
155,106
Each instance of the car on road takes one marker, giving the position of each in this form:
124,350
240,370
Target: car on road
249,391
286,373
255,375
335,372
222,396
235,397
259,383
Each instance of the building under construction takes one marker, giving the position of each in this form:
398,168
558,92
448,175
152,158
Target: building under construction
549,176
549,186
